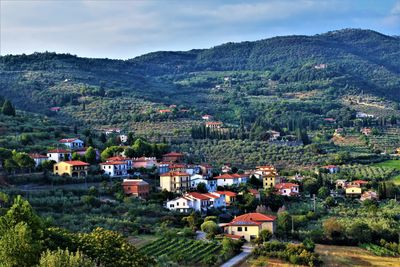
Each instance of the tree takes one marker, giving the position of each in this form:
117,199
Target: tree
129,152
10,165
48,165
130,138
23,160
202,188
90,155
310,185
61,258
5,154
103,138
264,236
255,182
109,248
110,151
17,246
333,229
284,222
323,192
330,201
210,228
8,108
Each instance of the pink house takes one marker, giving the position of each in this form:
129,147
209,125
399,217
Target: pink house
144,162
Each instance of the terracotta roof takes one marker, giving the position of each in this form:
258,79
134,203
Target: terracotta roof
68,140
37,156
286,185
113,163
214,123
77,163
128,182
329,166
230,176
252,219
359,182
164,110
174,174
118,158
59,150
175,166
211,195
227,193
254,191
198,195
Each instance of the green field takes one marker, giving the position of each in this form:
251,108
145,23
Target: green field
393,164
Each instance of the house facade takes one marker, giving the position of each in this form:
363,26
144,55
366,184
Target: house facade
144,162
59,155
227,179
268,175
72,143
136,188
177,182
173,157
73,168
194,201
211,184
250,225
114,168
230,197
287,189
38,158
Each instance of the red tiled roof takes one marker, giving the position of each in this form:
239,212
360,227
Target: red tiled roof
113,163
59,150
359,182
254,191
286,185
210,195
67,140
174,174
227,193
77,163
199,196
37,156
252,219
177,166
214,123
133,182
118,158
329,166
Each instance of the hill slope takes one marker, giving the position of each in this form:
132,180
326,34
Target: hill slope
232,81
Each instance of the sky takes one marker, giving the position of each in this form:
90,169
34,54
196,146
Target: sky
124,29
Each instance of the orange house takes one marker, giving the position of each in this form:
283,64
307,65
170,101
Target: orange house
136,188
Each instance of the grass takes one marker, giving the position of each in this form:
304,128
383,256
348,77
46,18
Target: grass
394,164
352,256
142,240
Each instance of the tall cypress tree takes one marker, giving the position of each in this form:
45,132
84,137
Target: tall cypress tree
8,108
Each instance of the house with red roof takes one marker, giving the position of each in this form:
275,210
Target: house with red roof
249,225
230,197
331,168
287,189
136,188
59,154
177,182
38,158
359,183
173,157
73,168
227,179
114,168
144,162
196,201
72,143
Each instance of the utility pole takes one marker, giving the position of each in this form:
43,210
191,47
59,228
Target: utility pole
314,202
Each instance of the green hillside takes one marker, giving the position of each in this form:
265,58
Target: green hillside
267,83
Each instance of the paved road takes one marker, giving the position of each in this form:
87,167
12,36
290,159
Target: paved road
246,250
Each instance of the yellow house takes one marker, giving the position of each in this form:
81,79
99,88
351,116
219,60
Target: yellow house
230,197
74,168
249,225
269,176
353,191
177,182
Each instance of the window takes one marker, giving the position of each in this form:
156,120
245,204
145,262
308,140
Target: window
239,229
177,204
171,205
56,168
245,229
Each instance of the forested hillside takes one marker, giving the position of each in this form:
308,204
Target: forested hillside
275,80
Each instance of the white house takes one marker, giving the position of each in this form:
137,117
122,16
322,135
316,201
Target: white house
287,189
211,184
72,143
59,155
196,201
128,161
227,179
114,168
123,138
331,168
39,159
362,115
273,135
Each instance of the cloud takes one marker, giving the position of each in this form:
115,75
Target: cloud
393,19
124,28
